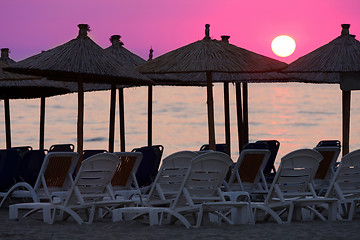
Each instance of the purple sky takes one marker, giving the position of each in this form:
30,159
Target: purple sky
28,27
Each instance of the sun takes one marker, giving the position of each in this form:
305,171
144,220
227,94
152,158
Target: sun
283,45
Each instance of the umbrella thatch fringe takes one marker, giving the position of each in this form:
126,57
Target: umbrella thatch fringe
315,77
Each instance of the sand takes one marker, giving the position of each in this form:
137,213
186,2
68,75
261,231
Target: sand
34,228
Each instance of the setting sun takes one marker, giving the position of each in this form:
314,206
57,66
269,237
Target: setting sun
283,45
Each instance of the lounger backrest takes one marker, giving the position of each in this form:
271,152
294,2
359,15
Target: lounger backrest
171,175
219,147
56,172
30,166
273,146
248,169
62,148
327,165
295,175
346,181
91,152
9,162
203,179
125,172
92,182
149,164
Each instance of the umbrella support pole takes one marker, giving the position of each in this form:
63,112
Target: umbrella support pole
245,113
346,99
112,118
210,107
150,94
80,122
239,115
42,123
7,123
227,118
122,119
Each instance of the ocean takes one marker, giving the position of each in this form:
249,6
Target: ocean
298,115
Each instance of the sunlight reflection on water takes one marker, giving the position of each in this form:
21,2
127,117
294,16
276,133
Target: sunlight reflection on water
297,115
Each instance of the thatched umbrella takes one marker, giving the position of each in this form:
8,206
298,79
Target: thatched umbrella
241,95
209,56
335,62
79,60
18,86
131,60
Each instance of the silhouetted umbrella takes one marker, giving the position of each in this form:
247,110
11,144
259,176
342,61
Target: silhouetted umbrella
132,60
79,60
18,86
335,62
241,97
209,56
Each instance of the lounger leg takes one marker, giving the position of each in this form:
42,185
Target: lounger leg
332,211
13,212
47,215
154,217
240,215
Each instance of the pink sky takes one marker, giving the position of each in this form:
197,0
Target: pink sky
28,27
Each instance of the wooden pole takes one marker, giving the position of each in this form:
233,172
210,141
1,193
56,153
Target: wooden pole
346,99
7,123
239,115
42,123
150,94
122,119
227,118
112,118
210,108
246,113
80,122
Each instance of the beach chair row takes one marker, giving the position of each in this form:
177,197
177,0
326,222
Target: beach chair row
22,164
189,184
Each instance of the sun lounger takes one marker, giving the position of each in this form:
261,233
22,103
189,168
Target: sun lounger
90,191
292,190
199,194
345,185
55,176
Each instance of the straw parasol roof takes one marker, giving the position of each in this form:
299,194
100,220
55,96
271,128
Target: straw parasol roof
338,56
80,57
209,56
80,60
335,62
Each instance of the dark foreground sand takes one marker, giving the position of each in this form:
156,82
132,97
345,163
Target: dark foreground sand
32,228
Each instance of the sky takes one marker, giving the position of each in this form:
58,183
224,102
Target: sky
29,27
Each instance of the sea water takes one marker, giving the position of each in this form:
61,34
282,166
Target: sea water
298,115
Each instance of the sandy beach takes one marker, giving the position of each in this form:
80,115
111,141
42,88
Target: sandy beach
32,228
